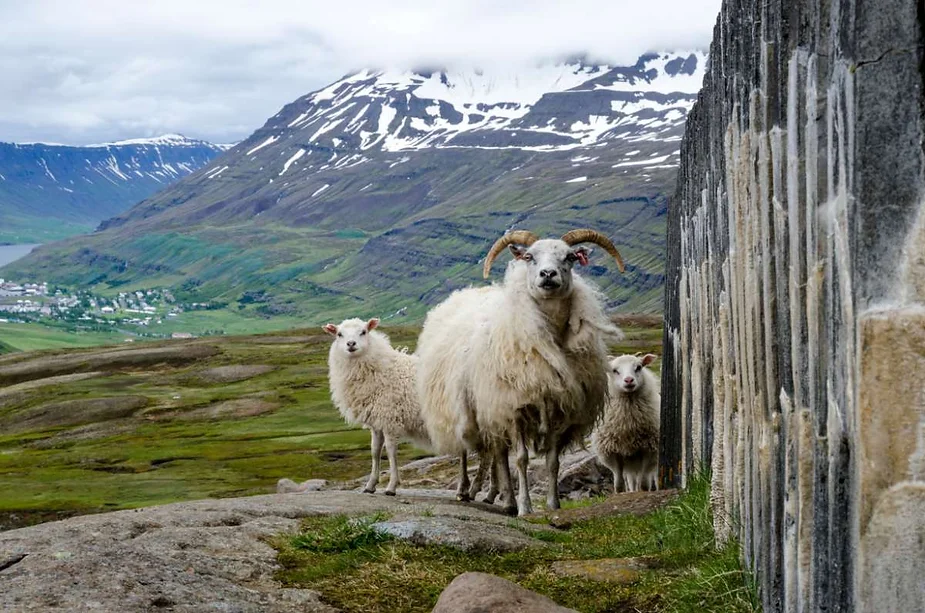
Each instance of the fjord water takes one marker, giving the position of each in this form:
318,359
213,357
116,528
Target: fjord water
11,253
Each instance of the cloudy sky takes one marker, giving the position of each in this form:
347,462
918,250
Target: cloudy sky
86,71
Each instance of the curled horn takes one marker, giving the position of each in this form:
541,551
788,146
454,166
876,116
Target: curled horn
584,235
517,237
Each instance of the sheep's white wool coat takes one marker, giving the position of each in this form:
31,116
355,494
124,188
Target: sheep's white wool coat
631,420
490,361
377,388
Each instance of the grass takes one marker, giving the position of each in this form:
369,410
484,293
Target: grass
277,424
33,337
357,571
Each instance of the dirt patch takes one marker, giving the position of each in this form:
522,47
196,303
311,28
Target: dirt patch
113,427
228,409
45,367
17,390
288,340
637,320
635,503
11,520
232,374
72,413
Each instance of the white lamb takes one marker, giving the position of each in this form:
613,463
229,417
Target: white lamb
372,384
626,440
519,363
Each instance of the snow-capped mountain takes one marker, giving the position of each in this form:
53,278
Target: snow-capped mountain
383,188
555,107
46,185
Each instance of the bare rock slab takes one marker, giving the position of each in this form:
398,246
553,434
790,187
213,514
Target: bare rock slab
207,555
484,593
455,532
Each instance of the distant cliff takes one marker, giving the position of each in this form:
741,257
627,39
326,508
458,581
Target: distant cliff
795,300
52,191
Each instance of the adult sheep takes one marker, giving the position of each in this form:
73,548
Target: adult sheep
626,440
372,384
519,363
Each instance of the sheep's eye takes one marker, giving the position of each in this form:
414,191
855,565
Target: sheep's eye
363,333
571,257
638,367
527,257
339,335
615,370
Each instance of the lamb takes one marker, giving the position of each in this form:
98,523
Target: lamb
520,363
372,384
626,440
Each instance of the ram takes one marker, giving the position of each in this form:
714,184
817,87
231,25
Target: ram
521,363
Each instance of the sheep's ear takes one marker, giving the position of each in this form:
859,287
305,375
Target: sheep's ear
517,251
648,359
583,254
372,323
330,329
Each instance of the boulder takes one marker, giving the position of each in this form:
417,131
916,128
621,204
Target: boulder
288,486
484,593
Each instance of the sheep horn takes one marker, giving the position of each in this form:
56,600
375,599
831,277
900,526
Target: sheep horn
517,237
585,235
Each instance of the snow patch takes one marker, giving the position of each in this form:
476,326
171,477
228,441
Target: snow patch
269,141
291,161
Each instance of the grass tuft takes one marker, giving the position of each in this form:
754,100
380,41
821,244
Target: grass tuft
341,533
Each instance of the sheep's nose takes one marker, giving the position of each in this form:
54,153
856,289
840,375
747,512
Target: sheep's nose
629,380
351,344
548,273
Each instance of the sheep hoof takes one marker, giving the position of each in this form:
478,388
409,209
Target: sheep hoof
511,510
489,499
388,493
366,490
463,497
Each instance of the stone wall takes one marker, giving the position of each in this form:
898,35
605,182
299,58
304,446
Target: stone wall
795,300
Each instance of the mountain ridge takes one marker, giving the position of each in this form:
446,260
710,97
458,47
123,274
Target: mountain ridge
50,191
364,196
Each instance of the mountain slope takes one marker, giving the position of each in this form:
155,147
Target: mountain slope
50,191
381,192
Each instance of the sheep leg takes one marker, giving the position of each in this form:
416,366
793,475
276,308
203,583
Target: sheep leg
524,506
493,484
462,489
615,464
504,480
376,448
391,449
630,481
479,480
552,488
653,473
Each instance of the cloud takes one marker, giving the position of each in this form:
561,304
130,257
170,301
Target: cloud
99,70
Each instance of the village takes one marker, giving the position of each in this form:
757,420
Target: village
34,301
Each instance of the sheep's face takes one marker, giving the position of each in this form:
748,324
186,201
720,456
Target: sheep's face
626,371
549,265
352,335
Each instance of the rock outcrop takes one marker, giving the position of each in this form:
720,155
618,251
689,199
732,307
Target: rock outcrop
795,300
213,555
